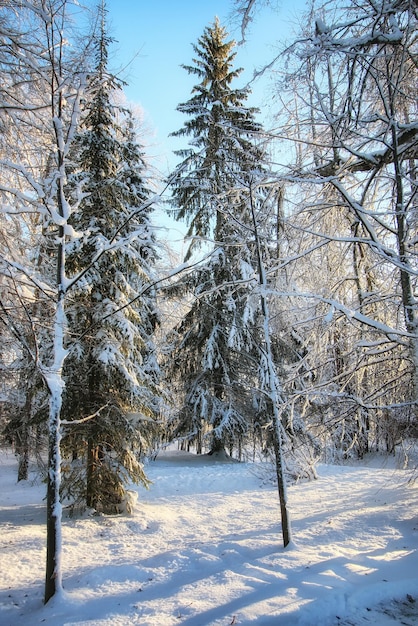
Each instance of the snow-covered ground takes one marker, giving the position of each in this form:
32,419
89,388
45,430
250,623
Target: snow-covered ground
203,547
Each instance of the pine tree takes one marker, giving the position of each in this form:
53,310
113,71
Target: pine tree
111,374
214,344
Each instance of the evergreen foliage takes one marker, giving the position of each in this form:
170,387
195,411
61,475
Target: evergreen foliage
223,143
111,374
214,346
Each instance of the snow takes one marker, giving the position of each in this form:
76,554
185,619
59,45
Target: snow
203,547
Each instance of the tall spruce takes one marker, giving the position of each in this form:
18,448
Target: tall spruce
214,345
111,372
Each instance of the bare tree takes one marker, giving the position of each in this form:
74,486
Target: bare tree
268,374
349,94
43,84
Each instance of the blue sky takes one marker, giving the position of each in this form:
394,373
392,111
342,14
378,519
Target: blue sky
155,37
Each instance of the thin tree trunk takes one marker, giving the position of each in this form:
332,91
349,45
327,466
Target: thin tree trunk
273,386
90,472
22,446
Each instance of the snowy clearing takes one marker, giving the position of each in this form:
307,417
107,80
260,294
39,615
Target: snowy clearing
203,547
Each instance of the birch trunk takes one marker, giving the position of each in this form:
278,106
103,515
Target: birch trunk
53,577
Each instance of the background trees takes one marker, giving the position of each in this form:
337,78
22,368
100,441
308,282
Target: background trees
214,345
351,218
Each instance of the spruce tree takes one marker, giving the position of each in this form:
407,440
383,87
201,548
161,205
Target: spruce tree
214,345
111,374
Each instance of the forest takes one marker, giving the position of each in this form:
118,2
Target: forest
288,332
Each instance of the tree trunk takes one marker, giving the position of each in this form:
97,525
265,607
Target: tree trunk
53,377
90,471
22,449
281,484
408,298
53,578
273,385
217,445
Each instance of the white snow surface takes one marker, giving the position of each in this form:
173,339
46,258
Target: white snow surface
203,547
